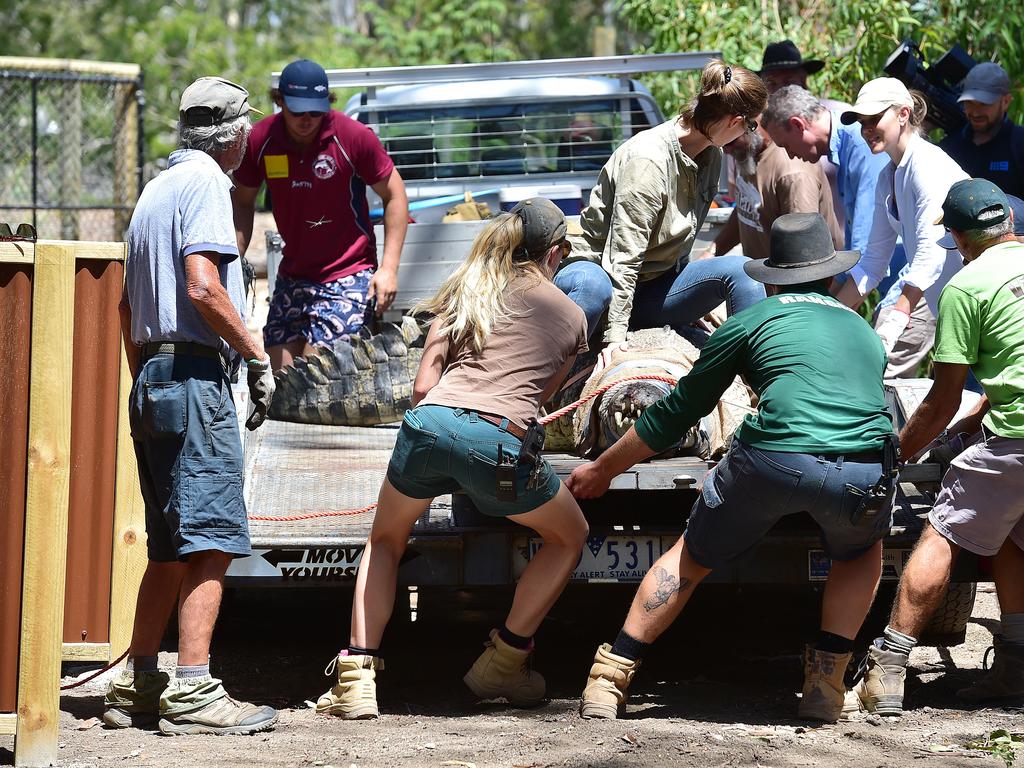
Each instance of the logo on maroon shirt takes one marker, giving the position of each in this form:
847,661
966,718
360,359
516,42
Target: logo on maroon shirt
325,167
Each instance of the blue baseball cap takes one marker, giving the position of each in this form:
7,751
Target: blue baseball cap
303,85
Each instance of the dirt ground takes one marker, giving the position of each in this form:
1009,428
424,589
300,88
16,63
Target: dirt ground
719,690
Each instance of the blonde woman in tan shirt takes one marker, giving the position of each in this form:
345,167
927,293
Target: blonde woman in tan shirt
502,341
633,257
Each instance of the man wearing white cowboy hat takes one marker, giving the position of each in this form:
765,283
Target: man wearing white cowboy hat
816,445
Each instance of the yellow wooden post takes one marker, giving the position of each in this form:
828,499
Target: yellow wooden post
129,554
46,507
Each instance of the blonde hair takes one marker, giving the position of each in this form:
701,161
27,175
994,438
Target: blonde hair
473,298
724,91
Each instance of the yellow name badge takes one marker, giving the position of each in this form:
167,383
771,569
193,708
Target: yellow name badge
277,166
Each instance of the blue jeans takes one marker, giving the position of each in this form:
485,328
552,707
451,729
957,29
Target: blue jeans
674,298
751,489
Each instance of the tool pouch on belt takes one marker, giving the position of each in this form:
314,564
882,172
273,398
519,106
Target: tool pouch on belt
533,443
505,476
879,497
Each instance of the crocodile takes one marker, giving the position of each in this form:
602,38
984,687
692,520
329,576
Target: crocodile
367,379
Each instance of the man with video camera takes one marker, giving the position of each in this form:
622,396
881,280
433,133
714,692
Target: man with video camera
990,146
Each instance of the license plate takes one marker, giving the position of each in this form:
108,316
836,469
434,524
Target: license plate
893,561
604,558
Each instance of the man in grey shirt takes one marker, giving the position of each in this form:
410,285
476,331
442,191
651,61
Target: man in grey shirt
182,318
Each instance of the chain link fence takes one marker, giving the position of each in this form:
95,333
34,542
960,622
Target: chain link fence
71,147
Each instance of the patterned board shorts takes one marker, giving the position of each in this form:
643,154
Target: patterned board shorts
317,313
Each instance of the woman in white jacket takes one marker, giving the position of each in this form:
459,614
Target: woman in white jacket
908,201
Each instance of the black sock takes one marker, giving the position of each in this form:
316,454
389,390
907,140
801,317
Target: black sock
629,647
355,650
516,641
832,643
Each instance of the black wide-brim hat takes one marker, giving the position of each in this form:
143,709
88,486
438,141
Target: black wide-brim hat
801,251
786,55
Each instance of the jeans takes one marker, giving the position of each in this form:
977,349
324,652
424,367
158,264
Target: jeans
674,298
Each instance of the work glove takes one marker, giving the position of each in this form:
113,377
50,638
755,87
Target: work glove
892,322
261,391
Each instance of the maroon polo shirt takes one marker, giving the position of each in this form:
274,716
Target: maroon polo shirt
319,194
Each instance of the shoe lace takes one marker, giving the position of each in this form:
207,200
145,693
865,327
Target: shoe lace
984,659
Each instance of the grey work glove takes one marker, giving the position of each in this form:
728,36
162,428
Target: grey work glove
261,391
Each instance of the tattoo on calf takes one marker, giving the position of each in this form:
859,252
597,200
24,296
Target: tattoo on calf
668,585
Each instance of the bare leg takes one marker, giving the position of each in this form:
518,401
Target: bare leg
924,582
374,597
283,354
564,529
1008,572
663,593
158,594
849,592
201,591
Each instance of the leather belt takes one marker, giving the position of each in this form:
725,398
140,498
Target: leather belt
182,348
513,429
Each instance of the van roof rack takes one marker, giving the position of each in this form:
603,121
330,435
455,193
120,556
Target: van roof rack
452,73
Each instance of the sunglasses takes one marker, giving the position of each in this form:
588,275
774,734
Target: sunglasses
24,233
314,115
751,124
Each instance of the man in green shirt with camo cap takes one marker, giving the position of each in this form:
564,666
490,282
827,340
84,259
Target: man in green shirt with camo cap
815,445
980,506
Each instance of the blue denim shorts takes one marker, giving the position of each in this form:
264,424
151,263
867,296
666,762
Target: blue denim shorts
445,450
189,456
317,313
751,489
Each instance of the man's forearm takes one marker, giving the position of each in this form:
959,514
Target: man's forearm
928,421
214,304
629,450
909,297
244,214
971,422
396,224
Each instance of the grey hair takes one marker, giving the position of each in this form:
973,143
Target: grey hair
214,140
789,101
978,237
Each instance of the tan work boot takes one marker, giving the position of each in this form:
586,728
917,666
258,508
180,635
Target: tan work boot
354,696
824,690
881,688
607,684
1005,678
133,699
201,705
504,672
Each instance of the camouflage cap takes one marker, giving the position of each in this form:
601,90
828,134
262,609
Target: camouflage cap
212,101
543,226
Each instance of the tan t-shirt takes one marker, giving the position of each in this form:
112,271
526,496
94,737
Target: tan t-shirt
781,185
519,358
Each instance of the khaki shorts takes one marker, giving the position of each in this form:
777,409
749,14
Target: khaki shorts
981,502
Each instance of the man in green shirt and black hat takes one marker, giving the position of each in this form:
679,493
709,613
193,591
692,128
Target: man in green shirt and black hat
980,506
816,445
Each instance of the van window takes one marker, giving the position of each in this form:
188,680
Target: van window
448,142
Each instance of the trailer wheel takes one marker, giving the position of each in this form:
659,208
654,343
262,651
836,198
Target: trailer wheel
954,612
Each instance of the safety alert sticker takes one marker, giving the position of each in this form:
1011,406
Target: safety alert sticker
314,565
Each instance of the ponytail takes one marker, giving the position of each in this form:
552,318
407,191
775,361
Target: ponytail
919,110
470,301
724,91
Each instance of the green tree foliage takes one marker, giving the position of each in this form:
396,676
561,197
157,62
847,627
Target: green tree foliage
854,37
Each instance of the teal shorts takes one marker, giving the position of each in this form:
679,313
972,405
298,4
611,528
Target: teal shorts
446,450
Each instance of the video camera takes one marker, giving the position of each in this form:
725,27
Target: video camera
940,83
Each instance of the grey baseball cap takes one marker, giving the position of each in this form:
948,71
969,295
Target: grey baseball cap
543,226
986,82
212,101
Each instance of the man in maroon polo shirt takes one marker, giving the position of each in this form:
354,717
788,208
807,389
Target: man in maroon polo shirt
317,164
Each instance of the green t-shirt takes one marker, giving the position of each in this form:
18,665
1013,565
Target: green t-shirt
816,367
981,324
